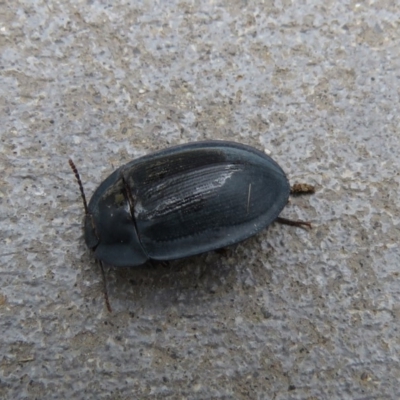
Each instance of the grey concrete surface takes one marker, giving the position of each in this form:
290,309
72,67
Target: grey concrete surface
288,314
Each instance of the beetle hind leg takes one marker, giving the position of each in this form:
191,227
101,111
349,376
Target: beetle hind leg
302,188
291,222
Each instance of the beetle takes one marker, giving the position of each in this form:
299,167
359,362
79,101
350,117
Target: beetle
182,201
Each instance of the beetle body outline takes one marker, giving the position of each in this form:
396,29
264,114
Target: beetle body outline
182,201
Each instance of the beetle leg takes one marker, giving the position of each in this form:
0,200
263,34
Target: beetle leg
302,188
105,287
291,222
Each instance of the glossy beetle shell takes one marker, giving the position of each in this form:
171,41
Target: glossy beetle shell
182,201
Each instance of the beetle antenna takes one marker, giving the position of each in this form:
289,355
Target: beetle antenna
78,178
105,287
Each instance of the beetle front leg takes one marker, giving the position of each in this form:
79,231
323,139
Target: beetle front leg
105,287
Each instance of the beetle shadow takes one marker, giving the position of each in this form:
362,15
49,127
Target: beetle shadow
162,284
192,283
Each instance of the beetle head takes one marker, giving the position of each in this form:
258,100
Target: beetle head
109,226
110,229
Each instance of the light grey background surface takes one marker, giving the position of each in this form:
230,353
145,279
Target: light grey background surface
288,314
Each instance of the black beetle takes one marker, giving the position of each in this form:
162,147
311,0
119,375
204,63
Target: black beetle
183,201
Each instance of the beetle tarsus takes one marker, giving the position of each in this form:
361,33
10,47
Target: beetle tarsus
291,222
302,188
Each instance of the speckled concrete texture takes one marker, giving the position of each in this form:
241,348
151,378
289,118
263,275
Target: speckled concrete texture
288,314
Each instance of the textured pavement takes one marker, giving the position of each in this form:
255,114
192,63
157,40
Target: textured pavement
287,314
